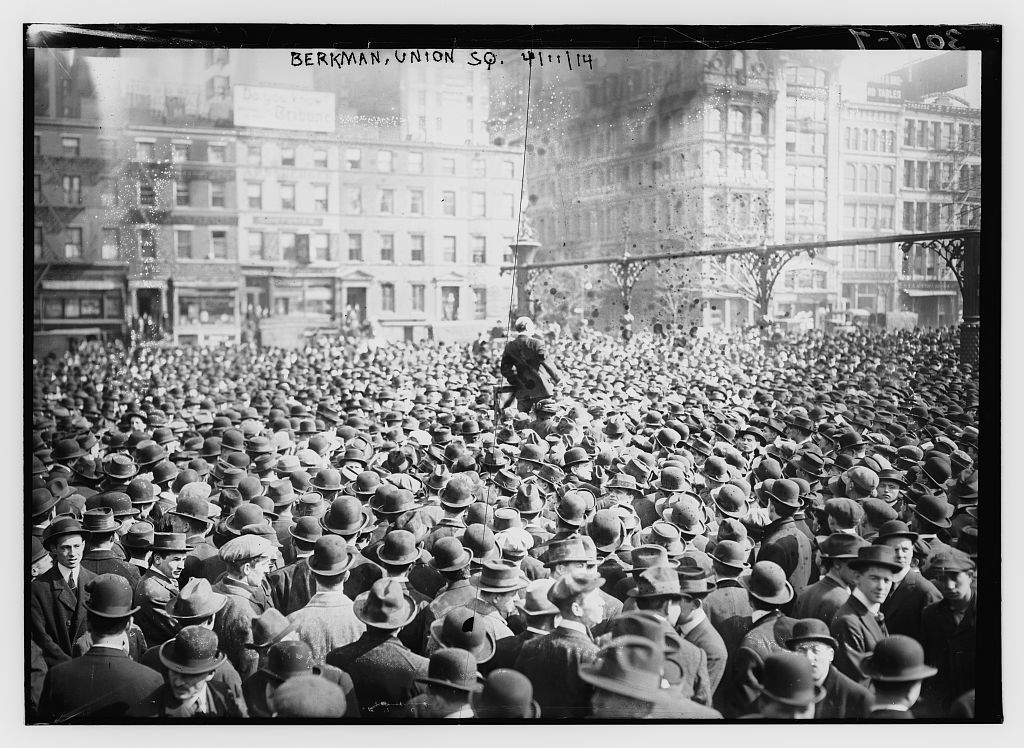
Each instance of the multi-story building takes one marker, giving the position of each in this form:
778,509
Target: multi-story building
188,202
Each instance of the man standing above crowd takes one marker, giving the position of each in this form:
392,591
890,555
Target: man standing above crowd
524,364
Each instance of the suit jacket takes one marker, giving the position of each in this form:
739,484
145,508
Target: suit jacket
708,639
524,365
152,594
950,647
102,685
507,651
785,544
692,680
766,636
292,586
254,690
383,670
533,569
226,674
728,609
679,707
906,602
644,508
821,600
857,632
326,623
202,550
223,704
844,699
111,562
361,576
455,594
57,613
552,663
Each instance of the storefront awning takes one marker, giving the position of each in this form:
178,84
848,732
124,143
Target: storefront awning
915,292
80,285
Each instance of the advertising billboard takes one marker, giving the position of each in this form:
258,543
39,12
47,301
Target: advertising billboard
284,109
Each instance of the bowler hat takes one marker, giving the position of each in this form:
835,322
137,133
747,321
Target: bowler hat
330,556
535,600
169,542
687,514
767,582
894,529
120,467
785,492
398,548
811,630
875,555
449,554
193,651
934,509
897,659
732,554
66,450
389,501
671,480
196,600
386,605
59,528
306,529
457,494
465,629
787,679
109,596
506,694
841,545
454,668
937,470
731,501
498,576
623,482
42,502
479,541
289,659
346,517
327,479
630,666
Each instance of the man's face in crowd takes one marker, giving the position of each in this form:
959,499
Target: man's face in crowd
820,655
41,566
69,550
256,571
186,687
904,550
795,433
888,491
590,608
746,443
169,564
955,586
874,583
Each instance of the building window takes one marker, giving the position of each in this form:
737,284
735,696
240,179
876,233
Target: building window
320,198
179,152
354,195
758,124
738,121
850,215
508,170
71,146
417,243
183,244
219,244
387,247
147,195
480,303
143,150
72,186
254,155
714,119
478,205
387,201
448,203
286,240
257,247
147,244
508,201
885,214
387,297
287,197
216,194
181,193
448,166
217,154
321,247
416,202
320,158
887,179
109,249
479,250
479,168
385,161
37,243
355,247
416,163
449,303
353,158
254,193
448,253
508,256
287,156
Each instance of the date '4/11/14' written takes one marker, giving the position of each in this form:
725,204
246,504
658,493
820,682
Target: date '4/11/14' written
574,60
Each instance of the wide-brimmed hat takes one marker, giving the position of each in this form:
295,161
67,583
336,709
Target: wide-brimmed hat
897,659
270,627
109,596
386,605
193,651
811,630
454,668
767,582
875,555
630,666
398,548
465,629
99,521
195,600
787,679
499,576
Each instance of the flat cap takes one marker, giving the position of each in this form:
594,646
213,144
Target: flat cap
245,548
951,560
846,512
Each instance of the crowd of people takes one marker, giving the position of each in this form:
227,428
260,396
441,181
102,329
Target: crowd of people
577,528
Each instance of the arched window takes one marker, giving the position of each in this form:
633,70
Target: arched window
757,163
863,179
887,180
850,178
738,121
874,179
848,139
757,123
714,162
865,138
714,120
874,140
856,139
735,160
892,141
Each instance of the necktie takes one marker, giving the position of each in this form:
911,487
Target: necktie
72,584
881,622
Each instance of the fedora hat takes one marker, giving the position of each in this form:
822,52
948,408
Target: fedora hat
193,507
894,529
479,540
398,548
528,499
506,694
656,582
454,668
244,515
934,509
875,555
109,596
767,582
650,556
506,480
732,554
448,554
457,494
281,493
386,605
671,480
346,517
99,521
572,509
786,492
499,576
169,542
465,629
196,600
841,545
330,556
787,679
897,659
289,659
59,528
390,501
623,482
306,529
535,600
120,467
270,627
631,666
811,630
695,581
568,550
139,536
193,651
